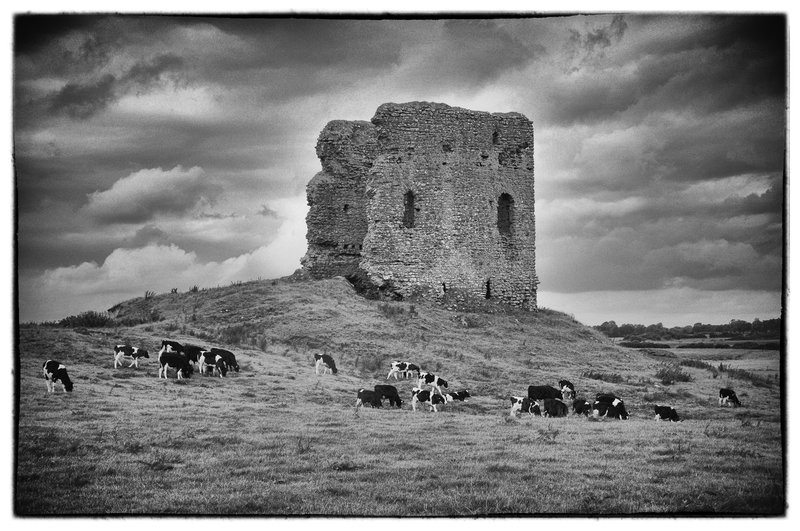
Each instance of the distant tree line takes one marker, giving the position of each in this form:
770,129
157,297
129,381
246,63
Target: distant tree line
736,329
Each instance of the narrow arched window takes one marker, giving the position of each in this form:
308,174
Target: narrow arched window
408,214
505,214
488,289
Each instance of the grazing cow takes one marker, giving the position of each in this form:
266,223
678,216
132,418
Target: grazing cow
208,359
553,407
403,368
727,396
228,356
54,370
666,413
193,352
609,399
390,392
170,346
461,396
428,378
326,362
581,407
540,392
567,389
604,409
174,360
373,398
519,403
425,397
127,352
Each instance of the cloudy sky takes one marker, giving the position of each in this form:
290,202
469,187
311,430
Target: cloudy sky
159,152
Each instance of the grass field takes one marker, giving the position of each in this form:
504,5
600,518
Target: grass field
276,439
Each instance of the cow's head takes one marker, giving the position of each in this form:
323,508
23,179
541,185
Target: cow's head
68,385
143,353
623,413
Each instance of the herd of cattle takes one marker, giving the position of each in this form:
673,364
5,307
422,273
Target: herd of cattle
542,400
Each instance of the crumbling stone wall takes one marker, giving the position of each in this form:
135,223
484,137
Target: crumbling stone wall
448,203
337,221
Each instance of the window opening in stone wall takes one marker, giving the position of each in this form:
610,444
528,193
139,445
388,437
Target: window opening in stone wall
488,289
444,287
505,210
408,215
346,207
495,137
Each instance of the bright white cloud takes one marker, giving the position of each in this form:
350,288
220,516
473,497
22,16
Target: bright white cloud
140,196
128,273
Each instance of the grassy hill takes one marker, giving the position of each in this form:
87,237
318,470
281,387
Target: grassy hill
278,439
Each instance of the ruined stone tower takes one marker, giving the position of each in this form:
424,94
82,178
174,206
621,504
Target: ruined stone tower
427,200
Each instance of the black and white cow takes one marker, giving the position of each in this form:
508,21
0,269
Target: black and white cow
426,397
581,407
519,403
365,396
609,399
402,368
127,352
390,392
553,407
460,396
168,345
54,370
208,359
540,392
727,397
567,389
193,352
666,413
228,356
174,360
326,362
428,378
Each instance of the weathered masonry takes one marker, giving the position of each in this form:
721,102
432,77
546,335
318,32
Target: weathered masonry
427,200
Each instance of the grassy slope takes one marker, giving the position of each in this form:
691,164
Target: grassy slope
277,439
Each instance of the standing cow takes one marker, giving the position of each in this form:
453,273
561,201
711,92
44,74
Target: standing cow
127,352
728,396
325,362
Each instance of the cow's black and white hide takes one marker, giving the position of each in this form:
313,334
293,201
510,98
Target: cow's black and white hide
426,397
402,368
209,360
193,352
128,353
167,345
428,378
228,356
519,403
666,413
581,407
54,371
365,396
174,360
728,397
540,392
604,409
325,362
567,389
553,407
459,396
617,410
390,392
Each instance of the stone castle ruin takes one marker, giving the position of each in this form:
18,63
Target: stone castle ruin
427,201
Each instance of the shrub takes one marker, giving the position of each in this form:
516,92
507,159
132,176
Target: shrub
669,374
87,319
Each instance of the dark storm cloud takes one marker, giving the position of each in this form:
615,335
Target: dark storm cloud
597,39
84,100
33,32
